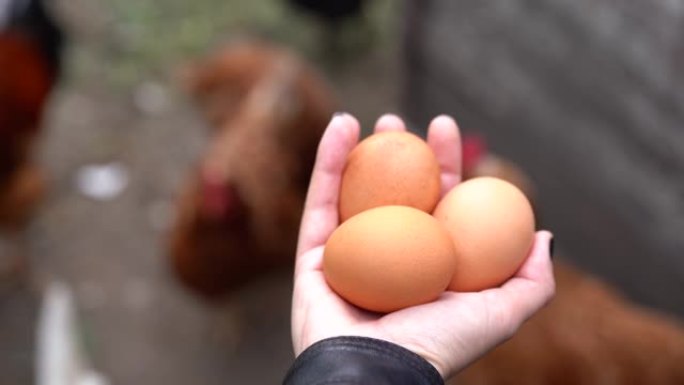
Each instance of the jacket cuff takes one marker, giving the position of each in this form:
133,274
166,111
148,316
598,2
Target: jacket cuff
360,360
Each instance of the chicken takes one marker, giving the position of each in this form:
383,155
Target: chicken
240,212
478,161
332,11
30,46
337,18
588,335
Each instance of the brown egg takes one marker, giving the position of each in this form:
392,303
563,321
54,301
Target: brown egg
389,168
389,258
492,226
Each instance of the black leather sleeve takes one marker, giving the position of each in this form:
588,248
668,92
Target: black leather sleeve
360,360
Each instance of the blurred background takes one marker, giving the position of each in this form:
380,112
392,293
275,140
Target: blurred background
582,100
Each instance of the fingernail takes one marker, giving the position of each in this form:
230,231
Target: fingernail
338,114
551,242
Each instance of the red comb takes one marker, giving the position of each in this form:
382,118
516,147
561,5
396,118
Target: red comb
474,148
219,198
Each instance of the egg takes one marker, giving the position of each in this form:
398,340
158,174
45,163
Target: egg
492,226
389,168
389,258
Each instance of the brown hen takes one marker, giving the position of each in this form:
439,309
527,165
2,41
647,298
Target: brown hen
30,46
240,212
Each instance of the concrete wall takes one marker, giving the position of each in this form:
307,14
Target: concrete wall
587,96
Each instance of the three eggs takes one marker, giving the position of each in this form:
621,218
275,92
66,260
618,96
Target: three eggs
401,244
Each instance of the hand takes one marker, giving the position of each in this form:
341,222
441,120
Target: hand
450,332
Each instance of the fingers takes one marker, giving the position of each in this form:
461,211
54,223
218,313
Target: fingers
320,216
538,267
532,286
389,122
444,138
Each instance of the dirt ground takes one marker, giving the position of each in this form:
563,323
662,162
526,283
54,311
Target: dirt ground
120,104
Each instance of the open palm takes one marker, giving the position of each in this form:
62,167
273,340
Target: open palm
450,332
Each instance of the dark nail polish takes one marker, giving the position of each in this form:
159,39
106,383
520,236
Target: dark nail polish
551,242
